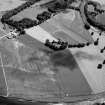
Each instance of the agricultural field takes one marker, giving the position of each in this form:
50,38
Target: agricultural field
32,71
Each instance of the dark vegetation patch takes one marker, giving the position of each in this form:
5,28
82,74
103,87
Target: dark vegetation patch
63,58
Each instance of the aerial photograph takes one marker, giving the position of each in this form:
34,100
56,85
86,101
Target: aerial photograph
52,52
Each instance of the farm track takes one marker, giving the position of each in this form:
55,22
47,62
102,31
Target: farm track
3,80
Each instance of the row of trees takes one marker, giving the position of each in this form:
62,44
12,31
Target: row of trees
61,45
27,23
6,17
13,12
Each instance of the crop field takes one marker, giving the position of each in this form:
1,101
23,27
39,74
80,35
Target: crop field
30,70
